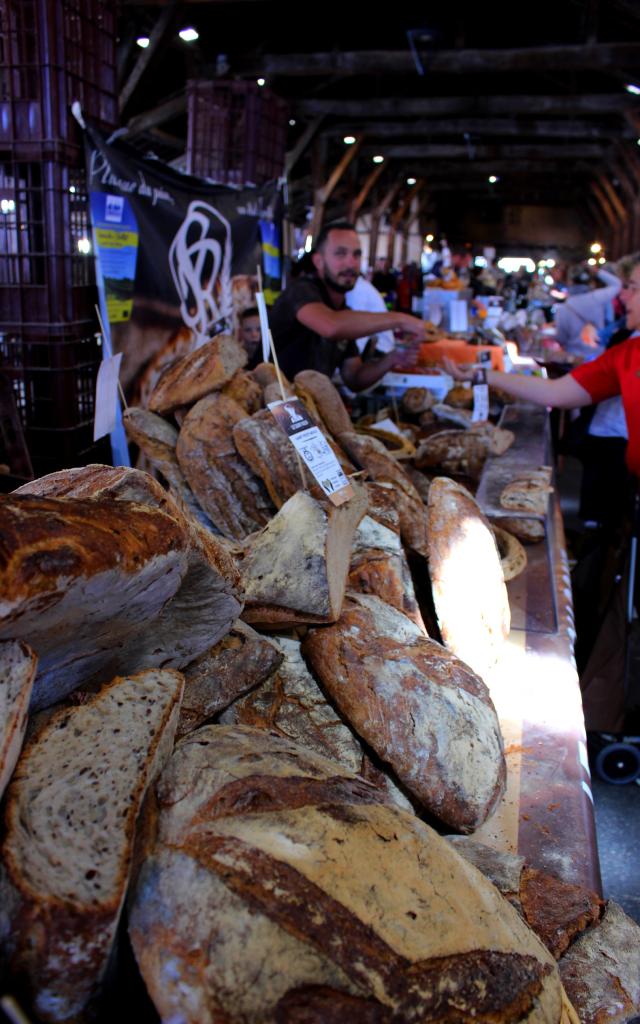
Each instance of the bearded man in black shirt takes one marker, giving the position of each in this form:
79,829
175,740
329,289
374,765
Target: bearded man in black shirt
313,329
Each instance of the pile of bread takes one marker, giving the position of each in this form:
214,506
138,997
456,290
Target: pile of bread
226,730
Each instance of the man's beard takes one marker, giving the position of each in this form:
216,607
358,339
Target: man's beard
337,285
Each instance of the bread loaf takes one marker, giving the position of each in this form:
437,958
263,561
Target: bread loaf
291,704
193,376
601,970
244,390
529,492
232,496
270,454
513,557
469,594
453,451
17,671
371,455
282,889
417,400
296,569
101,586
327,400
379,566
528,530
423,711
460,396
234,666
71,812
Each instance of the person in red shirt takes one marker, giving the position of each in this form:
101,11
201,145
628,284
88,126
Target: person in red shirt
615,372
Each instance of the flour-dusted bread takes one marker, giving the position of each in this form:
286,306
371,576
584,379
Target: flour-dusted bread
291,704
513,556
232,496
244,390
556,910
71,810
529,491
379,566
101,586
454,451
296,569
17,671
270,454
193,376
372,456
281,889
469,594
423,711
327,398
601,970
234,666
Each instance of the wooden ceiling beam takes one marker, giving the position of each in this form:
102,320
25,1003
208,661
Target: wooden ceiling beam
514,126
536,59
361,197
165,111
468,106
301,145
145,56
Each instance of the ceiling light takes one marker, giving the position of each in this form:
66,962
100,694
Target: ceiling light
551,263
633,89
602,260
378,159
292,121
411,181
261,81
188,35
429,238
72,189
7,206
492,179
595,248
591,261
349,140
143,42
84,246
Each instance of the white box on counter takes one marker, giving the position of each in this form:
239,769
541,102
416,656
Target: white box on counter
438,383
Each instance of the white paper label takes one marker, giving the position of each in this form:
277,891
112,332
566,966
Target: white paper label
480,403
312,447
106,396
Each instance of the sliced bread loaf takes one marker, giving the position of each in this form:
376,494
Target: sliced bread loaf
71,812
17,671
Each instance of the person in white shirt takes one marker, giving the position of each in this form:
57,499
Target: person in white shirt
367,299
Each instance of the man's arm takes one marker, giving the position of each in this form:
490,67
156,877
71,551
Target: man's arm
561,392
359,375
349,324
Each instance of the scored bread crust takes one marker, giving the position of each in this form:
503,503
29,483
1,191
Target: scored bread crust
70,816
270,454
193,376
18,665
317,902
326,398
467,582
423,711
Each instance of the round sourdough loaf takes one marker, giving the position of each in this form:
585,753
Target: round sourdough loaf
424,712
466,576
280,888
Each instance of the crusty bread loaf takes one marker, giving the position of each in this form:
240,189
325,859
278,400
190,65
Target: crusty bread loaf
270,454
232,496
601,970
234,666
371,455
497,439
281,889
71,812
379,566
454,451
530,531
265,373
469,594
193,376
244,390
417,400
451,414
18,666
101,586
513,557
460,396
423,711
529,492
296,569
327,400
556,910
291,704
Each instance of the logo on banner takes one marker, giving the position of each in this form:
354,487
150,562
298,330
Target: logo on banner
114,208
200,262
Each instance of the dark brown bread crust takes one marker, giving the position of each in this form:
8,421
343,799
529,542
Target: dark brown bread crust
399,696
270,454
557,911
225,487
237,664
206,369
327,399
244,390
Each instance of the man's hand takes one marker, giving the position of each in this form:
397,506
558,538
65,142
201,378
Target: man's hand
459,371
410,326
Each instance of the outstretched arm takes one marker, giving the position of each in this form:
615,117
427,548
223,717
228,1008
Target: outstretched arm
561,392
349,324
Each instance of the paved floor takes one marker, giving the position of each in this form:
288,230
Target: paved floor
617,807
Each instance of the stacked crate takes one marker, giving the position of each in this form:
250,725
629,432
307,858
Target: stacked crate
52,52
237,132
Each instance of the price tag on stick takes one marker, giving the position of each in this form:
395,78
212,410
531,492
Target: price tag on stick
480,396
313,448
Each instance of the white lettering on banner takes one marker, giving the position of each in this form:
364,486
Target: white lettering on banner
100,169
201,268
106,396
